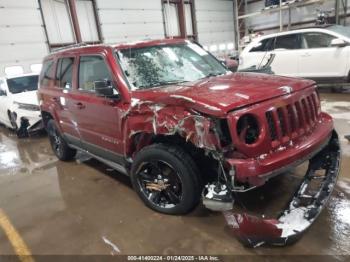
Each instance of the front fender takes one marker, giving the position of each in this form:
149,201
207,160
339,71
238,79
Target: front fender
154,119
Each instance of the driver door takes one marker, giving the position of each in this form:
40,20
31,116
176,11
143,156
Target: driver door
98,118
321,60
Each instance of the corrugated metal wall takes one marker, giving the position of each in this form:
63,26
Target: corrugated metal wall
130,20
22,40
215,24
123,21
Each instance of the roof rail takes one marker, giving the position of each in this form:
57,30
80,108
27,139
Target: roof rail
69,47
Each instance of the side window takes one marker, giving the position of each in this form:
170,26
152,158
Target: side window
64,72
317,40
263,46
46,72
2,88
93,69
287,42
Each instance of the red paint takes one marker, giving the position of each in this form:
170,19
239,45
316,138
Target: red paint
188,110
251,228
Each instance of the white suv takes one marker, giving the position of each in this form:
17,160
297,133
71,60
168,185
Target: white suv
19,108
318,53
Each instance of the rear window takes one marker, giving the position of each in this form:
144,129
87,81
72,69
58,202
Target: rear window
65,72
263,45
288,42
22,84
47,73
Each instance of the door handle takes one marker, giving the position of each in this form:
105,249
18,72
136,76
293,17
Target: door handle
305,55
80,105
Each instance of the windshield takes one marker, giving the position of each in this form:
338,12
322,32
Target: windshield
343,30
167,64
22,84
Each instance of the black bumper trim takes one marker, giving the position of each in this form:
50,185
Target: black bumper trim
302,210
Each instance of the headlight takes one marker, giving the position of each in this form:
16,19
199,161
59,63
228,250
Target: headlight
248,129
28,107
223,131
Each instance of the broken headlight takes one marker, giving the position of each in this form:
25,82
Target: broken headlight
223,130
248,129
28,107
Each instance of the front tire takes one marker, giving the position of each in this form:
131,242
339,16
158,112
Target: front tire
12,118
166,179
58,144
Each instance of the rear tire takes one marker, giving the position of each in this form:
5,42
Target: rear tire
166,178
58,144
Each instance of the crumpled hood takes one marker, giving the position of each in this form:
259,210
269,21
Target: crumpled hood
29,97
218,95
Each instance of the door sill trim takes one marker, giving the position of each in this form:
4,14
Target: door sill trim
109,163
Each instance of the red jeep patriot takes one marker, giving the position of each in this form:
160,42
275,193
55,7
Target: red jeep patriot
173,117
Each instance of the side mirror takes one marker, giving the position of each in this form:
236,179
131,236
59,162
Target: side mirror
3,92
104,88
231,64
338,42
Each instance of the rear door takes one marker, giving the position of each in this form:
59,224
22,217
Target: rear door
61,97
321,60
286,50
99,118
257,56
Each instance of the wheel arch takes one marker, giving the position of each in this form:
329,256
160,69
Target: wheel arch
46,116
205,162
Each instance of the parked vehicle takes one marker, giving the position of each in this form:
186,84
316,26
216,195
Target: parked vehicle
171,116
19,108
318,53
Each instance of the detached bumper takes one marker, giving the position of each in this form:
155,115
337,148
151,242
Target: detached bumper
303,209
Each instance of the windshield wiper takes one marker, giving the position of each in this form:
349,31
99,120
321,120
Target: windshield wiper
213,74
169,83
164,83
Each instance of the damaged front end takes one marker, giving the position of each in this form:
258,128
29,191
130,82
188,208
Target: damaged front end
25,128
302,210
25,119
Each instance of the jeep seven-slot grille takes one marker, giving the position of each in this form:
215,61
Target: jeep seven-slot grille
293,118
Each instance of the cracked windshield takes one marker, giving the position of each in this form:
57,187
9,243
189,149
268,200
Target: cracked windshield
167,64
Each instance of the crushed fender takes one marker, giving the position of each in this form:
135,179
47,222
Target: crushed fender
303,209
158,119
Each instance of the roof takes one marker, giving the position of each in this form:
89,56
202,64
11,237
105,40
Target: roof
20,75
135,44
139,44
296,30
317,26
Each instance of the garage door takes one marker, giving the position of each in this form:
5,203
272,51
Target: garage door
215,25
22,41
123,21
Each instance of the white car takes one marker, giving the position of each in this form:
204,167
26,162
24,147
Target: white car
318,53
19,108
